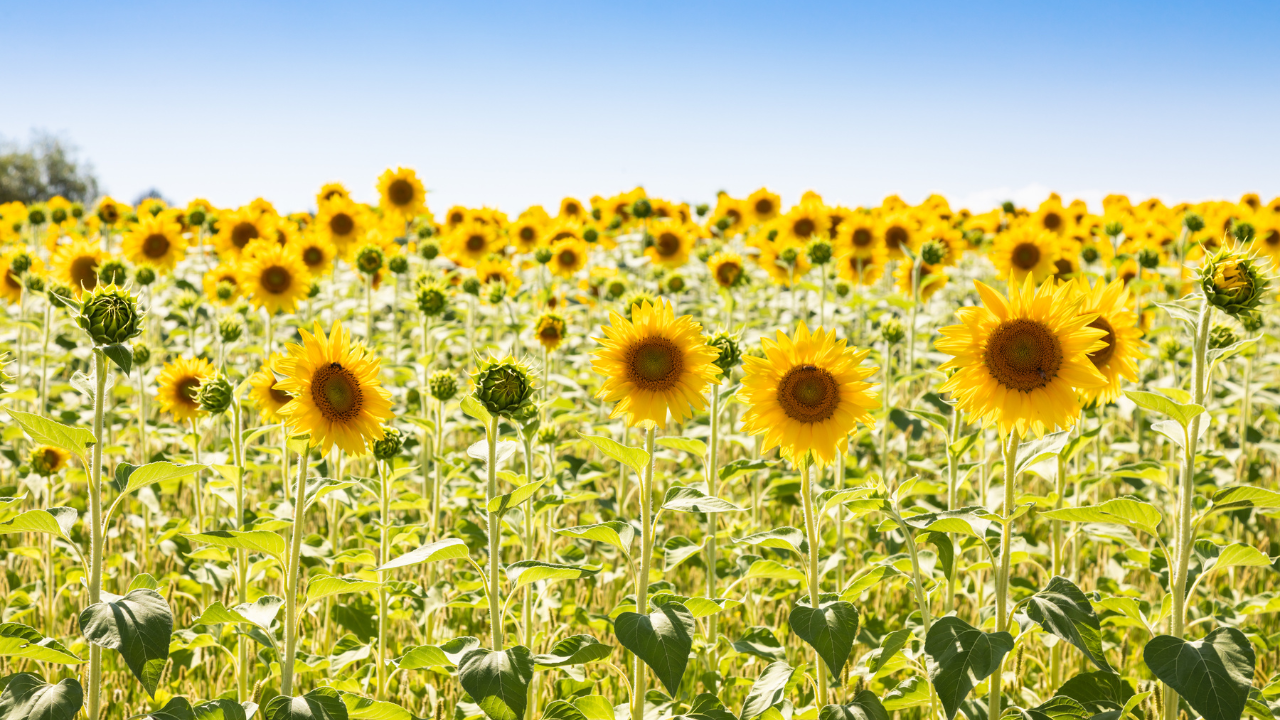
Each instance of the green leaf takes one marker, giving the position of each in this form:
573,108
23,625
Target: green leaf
767,690
129,477
220,709
573,650
1213,674
783,538
137,626
869,578
447,549
1130,512
1243,496
1059,707
962,656
676,550
635,458
475,409
762,643
772,570
74,440
1061,608
330,585
364,708
693,500
890,646
29,697
615,532
178,708
54,521
829,630
447,654
498,681
18,640
741,467
323,703
502,503
865,706
964,444
261,612
1030,453
121,355
1240,555
530,571
1097,691
320,487
912,692
1180,412
561,710
662,639
259,541
694,447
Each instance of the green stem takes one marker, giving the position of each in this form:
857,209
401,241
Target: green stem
495,540
713,626
815,595
638,685
1002,575
384,556
291,578
242,555
96,550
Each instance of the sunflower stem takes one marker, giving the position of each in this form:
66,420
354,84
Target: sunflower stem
242,555
646,559
291,577
384,550
815,596
1002,574
495,539
713,626
96,550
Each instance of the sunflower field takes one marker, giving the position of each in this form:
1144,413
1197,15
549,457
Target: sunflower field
633,459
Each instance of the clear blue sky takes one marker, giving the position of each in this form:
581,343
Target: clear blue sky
509,103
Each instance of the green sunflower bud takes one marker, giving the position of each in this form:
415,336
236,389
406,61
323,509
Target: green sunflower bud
723,224
432,299
59,215
933,252
1148,258
230,328
398,265
548,434
1113,229
1221,336
772,234
189,299
60,296
225,291
843,288
1243,232
471,286
505,388
642,208
20,263
389,446
892,331
215,394
196,217
542,255
1170,348
702,209
1232,281
426,231
141,353
144,276
1193,222
675,283
110,315
443,385
113,272
77,210
369,259
591,235
313,290
730,351
819,252
34,283
1089,254
615,288
429,250
36,216
495,291
635,299
788,256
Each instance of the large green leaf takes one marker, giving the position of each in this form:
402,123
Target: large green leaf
865,706
502,503
761,642
74,440
18,640
693,500
498,681
130,477
1097,691
767,690
1212,674
220,709
634,458
366,708
330,585
693,446
1132,513
54,521
1245,496
962,656
562,710
261,612
1059,707
662,639
530,571
615,532
447,549
783,538
890,645
178,708
574,650
258,541
323,703
447,654
1043,448
137,626
29,697
912,692
829,630
1062,609
1180,412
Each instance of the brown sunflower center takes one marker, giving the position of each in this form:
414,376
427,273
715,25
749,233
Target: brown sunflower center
667,244
803,227
400,192
336,393
1052,221
764,206
1026,255
242,233
808,394
862,237
1272,238
84,272
655,364
187,388
572,209
312,256
475,243
341,224
1063,267
1023,354
728,273
895,236
567,258
12,280
155,246
1101,357
527,234
279,395
276,279
549,332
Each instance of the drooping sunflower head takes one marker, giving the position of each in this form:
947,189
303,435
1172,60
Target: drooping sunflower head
654,364
727,270
156,242
47,460
264,393
568,256
807,394
1025,252
178,385
275,278
401,192
670,245
337,395
76,264
1117,360
1021,362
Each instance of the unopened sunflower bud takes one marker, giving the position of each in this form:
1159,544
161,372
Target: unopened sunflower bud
77,210
313,290
615,288
1221,336
429,250
819,252
110,315
892,331
1089,254
58,215
730,351
548,434
933,252
369,259
443,385
215,394
702,209
1148,258
636,299
591,235
723,224
230,328
772,234
843,288
1243,232
398,264
189,299
36,216
432,299
113,272
1170,348
543,255
1113,229
496,290
20,263
1232,282
788,256
34,283
505,388
196,217
389,446
225,291
675,283
144,275
60,296
471,286
1193,222
642,208
141,353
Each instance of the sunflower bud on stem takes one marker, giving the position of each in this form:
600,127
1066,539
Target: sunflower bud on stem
110,315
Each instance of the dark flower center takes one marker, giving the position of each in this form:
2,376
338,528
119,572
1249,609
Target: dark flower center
808,394
764,206
1026,255
155,246
1023,355
400,192
655,364
242,233
862,237
1052,221
1101,357
276,279
895,236
728,273
668,244
803,227
336,393
84,272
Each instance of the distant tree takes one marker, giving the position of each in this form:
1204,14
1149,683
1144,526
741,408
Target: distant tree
45,167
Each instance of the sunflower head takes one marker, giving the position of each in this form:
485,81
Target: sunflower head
727,270
730,351
110,315
215,394
369,259
433,299
47,460
389,446
178,385
1233,282
401,191
443,385
550,330
505,388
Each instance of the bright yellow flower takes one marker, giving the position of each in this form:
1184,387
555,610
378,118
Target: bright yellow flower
157,242
76,264
237,229
342,223
264,391
177,385
275,278
401,192
762,206
1108,304
1025,252
568,257
471,242
671,245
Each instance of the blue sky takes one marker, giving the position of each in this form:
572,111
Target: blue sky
510,104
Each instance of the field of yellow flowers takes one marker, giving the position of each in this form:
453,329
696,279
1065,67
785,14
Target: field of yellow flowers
635,459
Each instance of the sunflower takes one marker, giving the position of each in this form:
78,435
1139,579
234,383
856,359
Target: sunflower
727,270
330,191
498,270
804,222
456,216
317,253
471,242
1025,252
763,206
275,278
897,230
732,212
1020,361
862,270
550,330
571,209
857,236
671,245
1108,305
784,261
11,286
237,229
264,392
1266,238
177,385
932,279
337,396
341,222
946,236
76,264
222,273
110,211
568,256
47,460
654,363
806,394
526,233
1051,218
156,241
401,192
